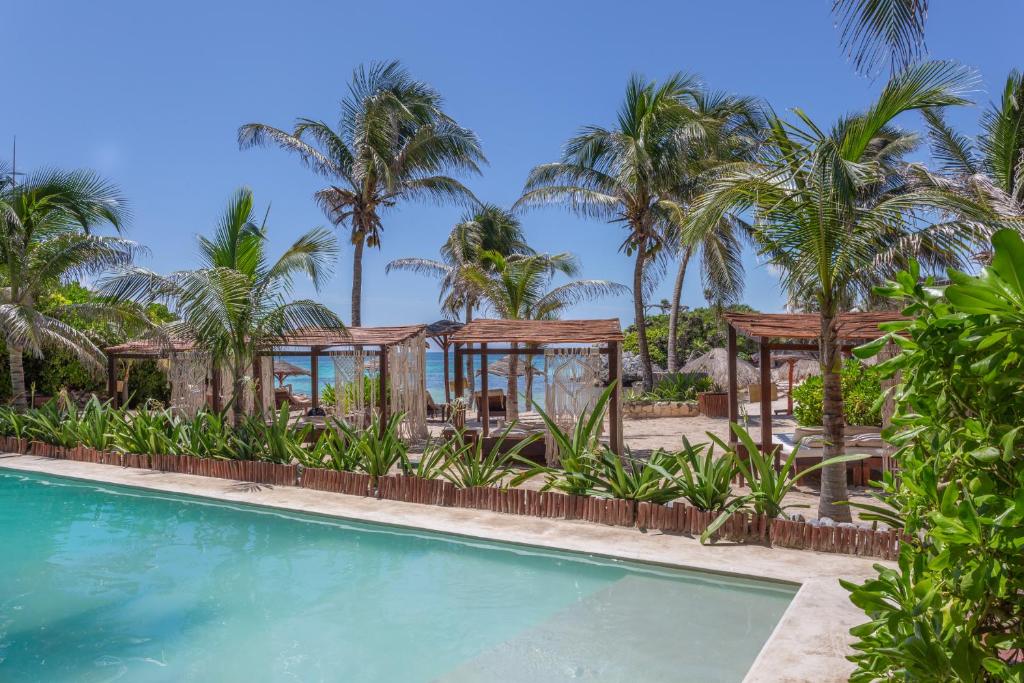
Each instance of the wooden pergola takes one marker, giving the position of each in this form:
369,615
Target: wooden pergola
791,332
524,338
440,333
312,343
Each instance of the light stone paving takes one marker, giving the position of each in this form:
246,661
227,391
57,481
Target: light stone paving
809,643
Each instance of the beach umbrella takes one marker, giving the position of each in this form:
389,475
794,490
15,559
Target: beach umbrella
715,364
284,369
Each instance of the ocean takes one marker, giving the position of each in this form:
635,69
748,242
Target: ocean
301,384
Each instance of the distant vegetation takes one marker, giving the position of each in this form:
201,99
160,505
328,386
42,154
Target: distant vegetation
700,330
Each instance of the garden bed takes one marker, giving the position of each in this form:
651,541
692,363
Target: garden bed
641,410
676,517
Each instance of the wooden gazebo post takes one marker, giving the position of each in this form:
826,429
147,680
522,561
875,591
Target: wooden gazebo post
766,399
383,379
734,401
614,411
485,400
115,397
314,376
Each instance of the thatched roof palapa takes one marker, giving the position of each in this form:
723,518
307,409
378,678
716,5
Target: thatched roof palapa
715,364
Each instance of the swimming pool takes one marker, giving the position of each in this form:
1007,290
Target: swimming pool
100,582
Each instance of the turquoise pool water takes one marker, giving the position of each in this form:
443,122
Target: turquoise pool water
104,583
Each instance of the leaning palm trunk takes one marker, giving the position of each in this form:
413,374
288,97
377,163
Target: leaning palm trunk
512,403
673,316
641,321
833,477
18,396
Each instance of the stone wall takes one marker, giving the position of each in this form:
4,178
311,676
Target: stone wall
639,410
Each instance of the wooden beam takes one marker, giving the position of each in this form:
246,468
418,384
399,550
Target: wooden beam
797,346
447,389
766,401
314,375
485,401
734,405
383,388
524,351
615,402
115,396
459,381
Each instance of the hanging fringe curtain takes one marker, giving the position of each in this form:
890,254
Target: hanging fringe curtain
187,373
407,370
572,386
356,386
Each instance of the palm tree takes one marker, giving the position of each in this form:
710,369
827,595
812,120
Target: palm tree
838,211
393,142
488,229
725,129
627,174
46,237
517,288
237,303
876,33
988,170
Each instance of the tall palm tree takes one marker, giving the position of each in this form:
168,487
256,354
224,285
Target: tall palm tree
393,142
988,169
877,33
485,230
725,129
627,174
238,301
46,237
518,287
838,211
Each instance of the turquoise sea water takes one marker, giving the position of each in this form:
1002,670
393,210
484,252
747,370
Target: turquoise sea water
104,583
435,375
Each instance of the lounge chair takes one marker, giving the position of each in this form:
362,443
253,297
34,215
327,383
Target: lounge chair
283,395
495,404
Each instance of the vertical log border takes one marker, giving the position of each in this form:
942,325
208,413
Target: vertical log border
674,518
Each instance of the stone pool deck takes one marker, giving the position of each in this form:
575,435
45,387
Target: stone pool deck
809,643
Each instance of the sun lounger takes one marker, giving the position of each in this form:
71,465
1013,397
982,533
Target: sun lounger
435,409
495,404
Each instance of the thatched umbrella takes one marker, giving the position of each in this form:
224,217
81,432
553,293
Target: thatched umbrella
715,364
283,369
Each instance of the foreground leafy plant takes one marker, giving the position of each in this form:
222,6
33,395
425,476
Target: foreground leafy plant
466,465
378,448
701,478
952,609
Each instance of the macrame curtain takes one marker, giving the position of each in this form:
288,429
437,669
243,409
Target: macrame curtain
356,386
407,382
187,373
573,385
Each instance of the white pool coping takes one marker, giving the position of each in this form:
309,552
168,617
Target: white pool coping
810,642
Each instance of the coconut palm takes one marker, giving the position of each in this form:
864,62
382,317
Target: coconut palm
237,302
725,129
46,237
518,287
627,174
876,33
987,170
837,210
488,229
393,142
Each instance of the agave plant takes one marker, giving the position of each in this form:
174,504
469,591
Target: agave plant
12,422
207,435
701,478
94,426
466,465
276,440
768,486
148,431
378,448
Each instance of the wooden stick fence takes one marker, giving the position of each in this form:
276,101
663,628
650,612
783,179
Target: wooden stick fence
674,518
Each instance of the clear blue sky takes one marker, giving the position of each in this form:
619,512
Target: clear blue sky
151,95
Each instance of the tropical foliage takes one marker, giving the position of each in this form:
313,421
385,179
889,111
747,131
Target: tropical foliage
679,386
393,142
238,302
698,331
862,397
838,209
46,237
951,609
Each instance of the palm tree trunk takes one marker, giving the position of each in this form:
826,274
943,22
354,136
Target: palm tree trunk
673,315
640,320
833,477
357,280
18,395
512,403
237,396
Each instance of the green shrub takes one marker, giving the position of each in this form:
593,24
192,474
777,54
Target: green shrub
862,390
700,330
678,387
952,609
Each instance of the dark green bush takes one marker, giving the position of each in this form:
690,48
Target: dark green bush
700,330
953,608
678,387
862,389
